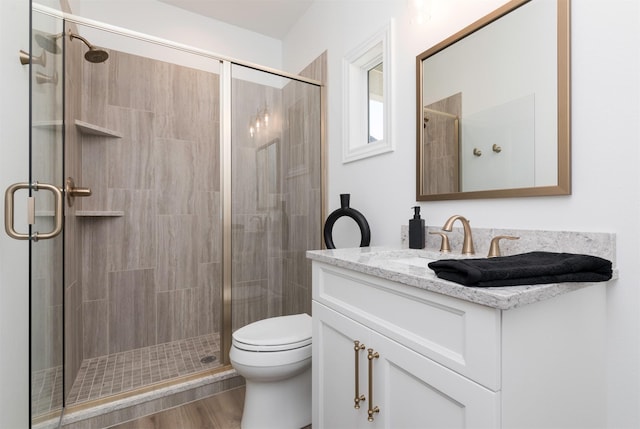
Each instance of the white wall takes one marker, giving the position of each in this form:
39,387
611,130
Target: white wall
14,152
605,118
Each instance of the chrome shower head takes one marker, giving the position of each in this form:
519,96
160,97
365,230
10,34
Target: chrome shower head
94,54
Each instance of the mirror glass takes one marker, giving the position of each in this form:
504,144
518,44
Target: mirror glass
493,106
376,103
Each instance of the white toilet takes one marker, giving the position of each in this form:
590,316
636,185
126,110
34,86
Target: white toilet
274,357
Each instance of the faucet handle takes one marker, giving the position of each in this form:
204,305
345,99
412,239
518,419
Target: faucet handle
494,248
445,247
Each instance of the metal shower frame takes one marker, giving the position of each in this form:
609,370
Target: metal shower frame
226,64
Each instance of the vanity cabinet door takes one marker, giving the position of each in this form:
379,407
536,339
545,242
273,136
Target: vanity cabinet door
334,370
414,392
410,390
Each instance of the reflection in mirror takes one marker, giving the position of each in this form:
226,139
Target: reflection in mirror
376,103
493,106
267,173
440,152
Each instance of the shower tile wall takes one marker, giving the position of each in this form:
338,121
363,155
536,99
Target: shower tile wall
303,191
271,275
151,275
440,147
253,227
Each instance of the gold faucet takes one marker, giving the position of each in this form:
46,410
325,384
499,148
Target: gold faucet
467,243
494,248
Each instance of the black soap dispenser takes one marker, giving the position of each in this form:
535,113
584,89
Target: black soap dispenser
416,230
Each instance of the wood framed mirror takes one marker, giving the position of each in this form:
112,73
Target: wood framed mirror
493,106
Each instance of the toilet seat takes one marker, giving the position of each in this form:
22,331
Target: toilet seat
274,334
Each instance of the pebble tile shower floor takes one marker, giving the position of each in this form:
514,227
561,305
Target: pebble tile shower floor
116,373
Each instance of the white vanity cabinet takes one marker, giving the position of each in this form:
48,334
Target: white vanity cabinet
443,362
410,389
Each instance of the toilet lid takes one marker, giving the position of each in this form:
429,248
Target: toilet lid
275,334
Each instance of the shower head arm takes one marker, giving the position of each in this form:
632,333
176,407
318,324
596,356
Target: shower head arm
94,54
77,36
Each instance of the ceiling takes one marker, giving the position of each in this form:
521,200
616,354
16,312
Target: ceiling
273,18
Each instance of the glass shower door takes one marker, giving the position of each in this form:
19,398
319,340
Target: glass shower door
276,193
45,187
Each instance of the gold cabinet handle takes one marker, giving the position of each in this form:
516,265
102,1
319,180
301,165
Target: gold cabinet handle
372,409
8,211
357,346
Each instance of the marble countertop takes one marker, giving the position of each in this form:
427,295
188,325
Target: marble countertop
404,266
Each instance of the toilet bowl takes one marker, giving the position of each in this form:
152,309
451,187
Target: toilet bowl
274,357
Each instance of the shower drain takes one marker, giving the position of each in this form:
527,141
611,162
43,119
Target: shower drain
208,359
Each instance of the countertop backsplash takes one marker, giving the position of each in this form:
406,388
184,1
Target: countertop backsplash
588,243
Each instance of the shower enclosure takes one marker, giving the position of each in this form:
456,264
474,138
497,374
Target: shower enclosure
206,191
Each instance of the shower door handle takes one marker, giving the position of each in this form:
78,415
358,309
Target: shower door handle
9,211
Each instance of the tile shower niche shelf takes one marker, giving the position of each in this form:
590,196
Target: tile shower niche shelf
84,213
55,124
99,213
94,130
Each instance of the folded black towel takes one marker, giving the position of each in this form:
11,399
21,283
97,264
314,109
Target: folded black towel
524,269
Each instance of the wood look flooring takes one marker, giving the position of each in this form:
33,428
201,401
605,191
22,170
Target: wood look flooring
221,411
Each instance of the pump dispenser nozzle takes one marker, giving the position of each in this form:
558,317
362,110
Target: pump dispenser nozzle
416,212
